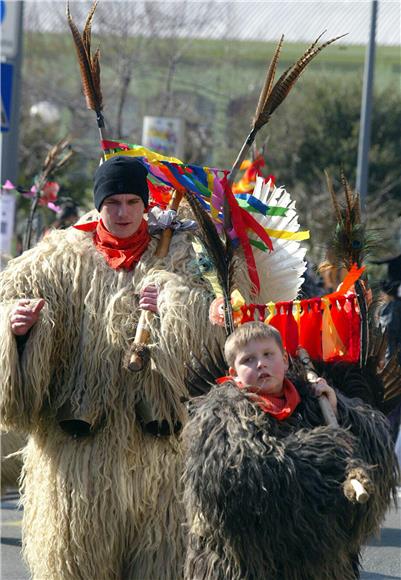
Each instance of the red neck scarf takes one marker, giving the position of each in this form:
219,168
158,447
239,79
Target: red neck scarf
279,407
119,252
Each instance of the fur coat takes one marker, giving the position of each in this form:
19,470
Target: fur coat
104,506
267,498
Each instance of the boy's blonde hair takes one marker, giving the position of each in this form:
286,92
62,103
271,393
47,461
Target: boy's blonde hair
247,332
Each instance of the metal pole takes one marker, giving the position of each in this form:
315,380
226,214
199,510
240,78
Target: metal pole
9,137
366,112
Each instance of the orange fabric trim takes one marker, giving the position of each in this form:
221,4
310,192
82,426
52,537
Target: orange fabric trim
279,407
118,252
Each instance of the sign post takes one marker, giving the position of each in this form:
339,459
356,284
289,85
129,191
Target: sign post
11,57
7,218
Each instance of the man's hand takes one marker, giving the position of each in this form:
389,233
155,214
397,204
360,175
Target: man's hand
320,387
24,315
148,298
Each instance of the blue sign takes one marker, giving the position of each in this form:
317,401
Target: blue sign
3,9
6,95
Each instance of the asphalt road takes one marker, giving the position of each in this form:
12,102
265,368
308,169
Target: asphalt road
381,558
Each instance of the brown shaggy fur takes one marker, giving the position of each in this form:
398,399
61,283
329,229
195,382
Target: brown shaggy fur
265,498
107,506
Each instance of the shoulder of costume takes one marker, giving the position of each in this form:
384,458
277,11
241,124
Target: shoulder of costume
225,392
86,223
301,385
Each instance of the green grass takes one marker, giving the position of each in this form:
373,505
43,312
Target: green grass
222,54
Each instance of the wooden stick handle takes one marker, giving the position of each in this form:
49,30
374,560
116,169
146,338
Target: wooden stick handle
164,243
142,335
166,235
327,410
330,418
361,494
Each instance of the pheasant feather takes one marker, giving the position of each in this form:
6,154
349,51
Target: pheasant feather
89,65
351,242
202,372
266,89
350,245
220,253
272,95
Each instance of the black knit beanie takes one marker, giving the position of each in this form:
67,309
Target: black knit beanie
121,174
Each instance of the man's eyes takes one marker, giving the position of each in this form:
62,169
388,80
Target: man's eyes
130,202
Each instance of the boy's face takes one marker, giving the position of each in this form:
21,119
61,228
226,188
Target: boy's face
261,363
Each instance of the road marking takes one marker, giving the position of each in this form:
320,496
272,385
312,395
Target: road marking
11,523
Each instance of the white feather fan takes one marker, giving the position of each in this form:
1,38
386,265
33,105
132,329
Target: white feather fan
280,272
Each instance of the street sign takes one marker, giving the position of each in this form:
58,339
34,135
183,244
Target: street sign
164,134
6,95
7,217
9,27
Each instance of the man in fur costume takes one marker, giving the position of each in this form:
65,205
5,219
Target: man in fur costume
267,485
104,505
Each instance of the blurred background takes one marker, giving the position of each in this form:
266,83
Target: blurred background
201,65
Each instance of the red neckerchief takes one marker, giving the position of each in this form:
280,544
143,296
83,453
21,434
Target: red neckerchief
119,252
279,407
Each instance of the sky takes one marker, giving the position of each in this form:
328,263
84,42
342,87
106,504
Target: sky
299,20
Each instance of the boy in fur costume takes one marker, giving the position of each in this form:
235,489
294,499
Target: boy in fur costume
265,480
105,505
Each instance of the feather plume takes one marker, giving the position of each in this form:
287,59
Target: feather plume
89,65
202,372
387,369
337,209
266,89
272,95
351,242
220,253
350,245
280,271
277,94
57,156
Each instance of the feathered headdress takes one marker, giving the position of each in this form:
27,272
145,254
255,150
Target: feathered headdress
272,95
89,65
220,252
349,246
56,158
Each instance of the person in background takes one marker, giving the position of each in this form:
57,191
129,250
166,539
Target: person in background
390,319
68,215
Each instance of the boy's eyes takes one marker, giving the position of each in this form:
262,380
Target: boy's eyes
250,358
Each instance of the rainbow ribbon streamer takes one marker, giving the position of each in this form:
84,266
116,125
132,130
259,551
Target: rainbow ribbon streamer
210,186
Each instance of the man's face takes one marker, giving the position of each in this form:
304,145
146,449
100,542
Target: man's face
122,214
261,363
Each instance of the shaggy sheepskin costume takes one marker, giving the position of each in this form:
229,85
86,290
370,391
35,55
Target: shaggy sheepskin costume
105,506
11,463
266,498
